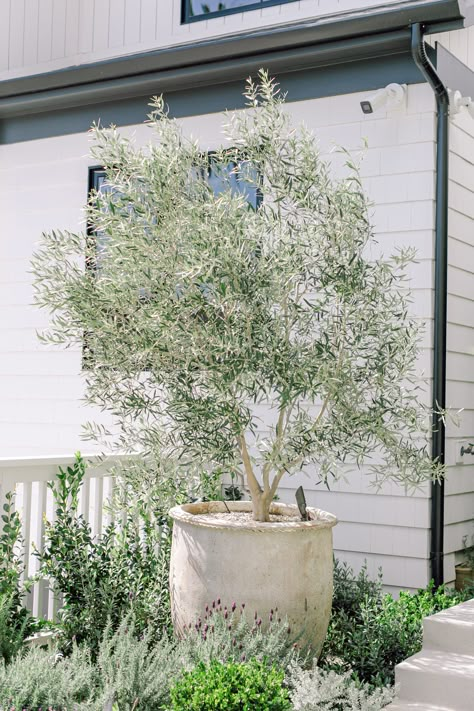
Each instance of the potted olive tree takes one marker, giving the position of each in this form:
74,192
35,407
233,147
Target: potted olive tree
235,320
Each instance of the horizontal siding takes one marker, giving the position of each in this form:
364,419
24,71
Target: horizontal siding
458,42
42,35
42,388
459,502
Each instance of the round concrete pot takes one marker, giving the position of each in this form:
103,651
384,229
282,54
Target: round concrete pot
464,576
287,565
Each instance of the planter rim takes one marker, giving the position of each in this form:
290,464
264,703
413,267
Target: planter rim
191,513
464,566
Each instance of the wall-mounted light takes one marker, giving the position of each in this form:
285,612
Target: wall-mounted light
459,102
391,97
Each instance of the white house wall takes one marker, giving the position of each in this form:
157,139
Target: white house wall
43,185
42,35
459,502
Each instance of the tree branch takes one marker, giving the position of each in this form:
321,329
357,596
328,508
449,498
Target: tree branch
254,486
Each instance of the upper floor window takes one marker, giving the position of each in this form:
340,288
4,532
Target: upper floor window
194,10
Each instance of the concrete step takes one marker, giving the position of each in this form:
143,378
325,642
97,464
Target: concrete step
443,679
451,630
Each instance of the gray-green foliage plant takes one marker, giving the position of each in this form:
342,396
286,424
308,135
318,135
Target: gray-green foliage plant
39,679
133,669
201,308
317,690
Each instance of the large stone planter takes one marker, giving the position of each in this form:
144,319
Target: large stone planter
288,565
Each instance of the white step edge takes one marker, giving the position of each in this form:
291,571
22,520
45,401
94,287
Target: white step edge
451,630
409,706
444,679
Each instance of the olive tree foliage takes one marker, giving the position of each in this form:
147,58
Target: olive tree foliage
201,309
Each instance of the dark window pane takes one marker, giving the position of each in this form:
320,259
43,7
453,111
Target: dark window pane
204,7
242,181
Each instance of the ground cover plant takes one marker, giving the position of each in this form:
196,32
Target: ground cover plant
314,689
197,305
132,668
231,687
135,670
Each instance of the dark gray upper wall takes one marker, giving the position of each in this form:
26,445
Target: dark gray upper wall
362,75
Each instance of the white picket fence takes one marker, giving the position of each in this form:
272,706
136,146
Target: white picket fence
28,478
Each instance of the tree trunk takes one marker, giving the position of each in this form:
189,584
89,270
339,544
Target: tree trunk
261,507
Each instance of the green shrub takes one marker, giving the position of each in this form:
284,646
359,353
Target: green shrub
370,632
99,578
16,622
249,686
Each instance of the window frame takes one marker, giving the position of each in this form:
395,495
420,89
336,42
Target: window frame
187,17
95,172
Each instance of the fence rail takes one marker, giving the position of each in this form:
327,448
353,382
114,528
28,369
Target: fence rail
28,478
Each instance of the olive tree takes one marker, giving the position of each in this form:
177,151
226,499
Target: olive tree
197,308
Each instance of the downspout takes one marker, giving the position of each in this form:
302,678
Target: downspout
440,297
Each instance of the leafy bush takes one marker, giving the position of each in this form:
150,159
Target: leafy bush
15,625
100,577
249,686
370,632
318,690
16,622
351,590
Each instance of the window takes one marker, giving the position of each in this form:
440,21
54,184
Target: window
219,178
97,183
194,10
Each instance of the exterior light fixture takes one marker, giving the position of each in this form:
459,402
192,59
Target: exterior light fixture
458,102
392,96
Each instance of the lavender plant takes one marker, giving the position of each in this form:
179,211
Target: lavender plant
201,307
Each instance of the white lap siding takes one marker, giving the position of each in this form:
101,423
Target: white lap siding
43,185
459,503
42,35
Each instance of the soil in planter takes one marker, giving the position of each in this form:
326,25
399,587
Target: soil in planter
243,517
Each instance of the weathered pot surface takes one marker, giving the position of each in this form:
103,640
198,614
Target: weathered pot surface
464,576
286,565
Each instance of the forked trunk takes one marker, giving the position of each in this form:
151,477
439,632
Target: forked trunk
261,507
